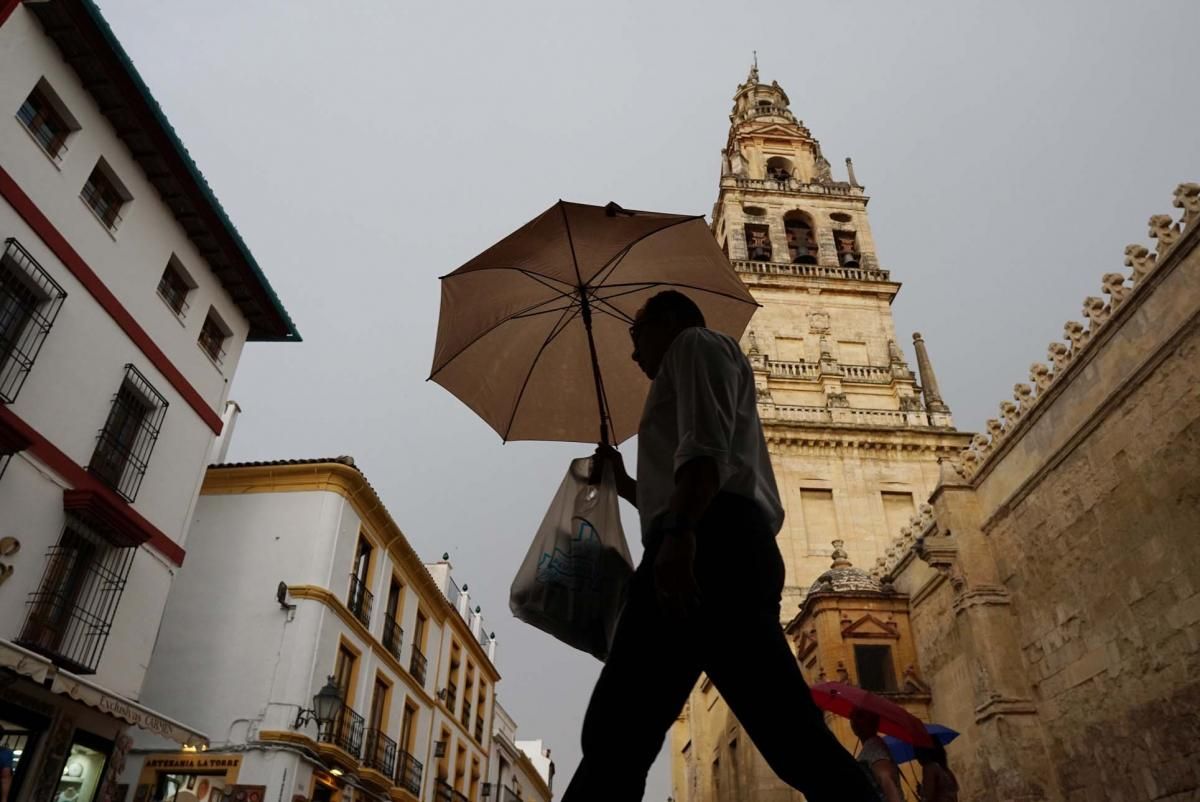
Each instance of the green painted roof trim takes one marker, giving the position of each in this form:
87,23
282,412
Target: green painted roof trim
102,25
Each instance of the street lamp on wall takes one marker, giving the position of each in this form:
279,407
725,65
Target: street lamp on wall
325,706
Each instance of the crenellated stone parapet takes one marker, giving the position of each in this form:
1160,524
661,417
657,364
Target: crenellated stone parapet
1098,312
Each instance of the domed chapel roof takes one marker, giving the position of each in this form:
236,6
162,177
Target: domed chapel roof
843,577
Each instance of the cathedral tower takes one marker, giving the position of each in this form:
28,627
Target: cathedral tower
854,440
854,437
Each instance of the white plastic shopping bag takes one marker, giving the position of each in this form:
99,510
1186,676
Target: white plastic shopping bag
572,583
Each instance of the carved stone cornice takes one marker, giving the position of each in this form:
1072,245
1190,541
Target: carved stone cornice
981,596
999,705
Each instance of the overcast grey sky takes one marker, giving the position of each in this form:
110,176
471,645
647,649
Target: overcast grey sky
1011,150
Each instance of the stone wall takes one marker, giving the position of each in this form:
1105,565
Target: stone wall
1056,598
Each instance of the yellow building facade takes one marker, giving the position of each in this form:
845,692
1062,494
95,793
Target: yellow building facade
855,434
299,580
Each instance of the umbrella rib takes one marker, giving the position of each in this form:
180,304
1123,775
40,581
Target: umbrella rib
558,329
488,331
629,247
644,284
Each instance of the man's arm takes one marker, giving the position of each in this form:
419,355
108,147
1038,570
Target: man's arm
5,783
626,484
884,775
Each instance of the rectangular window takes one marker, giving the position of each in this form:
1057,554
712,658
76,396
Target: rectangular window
897,510
820,520
408,727
213,335
29,303
874,667
127,439
343,672
417,663
105,195
393,635
47,120
71,612
361,599
174,287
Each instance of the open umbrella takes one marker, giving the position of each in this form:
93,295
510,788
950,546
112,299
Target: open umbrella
533,333
903,752
843,700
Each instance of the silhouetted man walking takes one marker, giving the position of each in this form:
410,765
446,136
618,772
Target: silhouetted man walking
705,597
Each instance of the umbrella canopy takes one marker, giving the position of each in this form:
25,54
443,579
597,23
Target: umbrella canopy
533,333
903,752
843,700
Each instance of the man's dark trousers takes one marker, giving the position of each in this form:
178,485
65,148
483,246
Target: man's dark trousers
736,639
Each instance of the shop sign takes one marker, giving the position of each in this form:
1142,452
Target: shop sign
193,762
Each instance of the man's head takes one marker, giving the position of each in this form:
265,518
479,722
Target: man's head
656,326
864,723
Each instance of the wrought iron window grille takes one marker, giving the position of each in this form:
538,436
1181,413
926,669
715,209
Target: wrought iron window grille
360,600
408,773
102,198
212,340
125,443
174,293
344,730
29,303
417,665
45,125
379,752
71,613
393,635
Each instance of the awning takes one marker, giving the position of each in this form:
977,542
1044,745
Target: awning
39,669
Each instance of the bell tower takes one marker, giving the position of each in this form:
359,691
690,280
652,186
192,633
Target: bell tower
854,434
855,441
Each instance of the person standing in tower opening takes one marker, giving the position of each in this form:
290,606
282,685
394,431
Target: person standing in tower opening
706,596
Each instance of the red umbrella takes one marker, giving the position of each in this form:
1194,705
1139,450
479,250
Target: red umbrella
843,700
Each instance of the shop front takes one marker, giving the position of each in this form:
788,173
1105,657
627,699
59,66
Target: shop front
194,777
65,737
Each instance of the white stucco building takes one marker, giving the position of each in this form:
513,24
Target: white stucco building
126,297
518,770
299,580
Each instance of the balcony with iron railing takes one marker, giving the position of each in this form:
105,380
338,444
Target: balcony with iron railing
479,727
451,698
809,271
466,713
393,635
417,665
408,773
379,752
360,600
344,730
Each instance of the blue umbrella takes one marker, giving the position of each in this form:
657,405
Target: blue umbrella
903,752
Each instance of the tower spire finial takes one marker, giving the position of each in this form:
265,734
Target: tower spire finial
754,69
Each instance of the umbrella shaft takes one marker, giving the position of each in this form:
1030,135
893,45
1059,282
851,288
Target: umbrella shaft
586,313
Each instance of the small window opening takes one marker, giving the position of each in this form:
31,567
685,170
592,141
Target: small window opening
847,248
758,243
174,287
213,335
874,666
47,120
105,195
780,169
